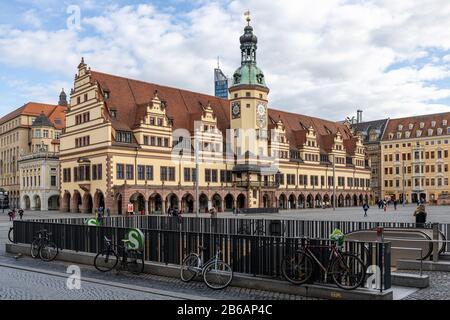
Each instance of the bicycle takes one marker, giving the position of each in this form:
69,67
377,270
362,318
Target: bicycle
42,246
346,269
216,273
11,235
132,260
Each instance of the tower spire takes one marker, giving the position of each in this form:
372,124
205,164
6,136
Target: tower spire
247,17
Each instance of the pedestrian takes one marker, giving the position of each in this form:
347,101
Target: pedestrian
21,214
100,217
395,205
421,216
14,214
108,212
10,215
365,208
385,205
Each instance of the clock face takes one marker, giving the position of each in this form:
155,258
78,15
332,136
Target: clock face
261,115
261,109
236,109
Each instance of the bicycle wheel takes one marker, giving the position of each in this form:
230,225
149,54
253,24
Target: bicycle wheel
297,268
106,261
11,235
217,275
48,251
135,261
347,271
35,246
190,267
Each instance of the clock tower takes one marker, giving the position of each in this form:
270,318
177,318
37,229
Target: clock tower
249,98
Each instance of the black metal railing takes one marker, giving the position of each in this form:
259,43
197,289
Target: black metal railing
255,255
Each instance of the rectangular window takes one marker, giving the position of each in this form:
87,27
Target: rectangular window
213,175
141,172
99,172
53,181
171,173
120,171
94,172
149,172
187,174
123,136
290,179
146,140
130,172
163,173
279,178
207,175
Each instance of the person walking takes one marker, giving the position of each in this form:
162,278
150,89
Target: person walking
21,214
100,216
395,205
385,205
365,208
10,215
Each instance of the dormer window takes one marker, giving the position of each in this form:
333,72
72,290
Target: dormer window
114,114
433,124
444,122
421,125
400,127
418,133
411,126
106,94
407,134
58,121
391,136
123,136
430,132
439,131
399,135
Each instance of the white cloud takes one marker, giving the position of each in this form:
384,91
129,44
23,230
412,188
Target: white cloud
31,18
325,58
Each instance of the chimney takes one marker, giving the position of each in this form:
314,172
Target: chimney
359,116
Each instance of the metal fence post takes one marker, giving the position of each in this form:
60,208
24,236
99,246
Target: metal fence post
435,242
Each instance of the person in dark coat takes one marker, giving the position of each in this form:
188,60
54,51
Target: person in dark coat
421,216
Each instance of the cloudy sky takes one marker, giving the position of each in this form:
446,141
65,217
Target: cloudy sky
321,57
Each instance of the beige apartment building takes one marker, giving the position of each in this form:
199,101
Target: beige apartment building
39,168
132,142
415,158
16,141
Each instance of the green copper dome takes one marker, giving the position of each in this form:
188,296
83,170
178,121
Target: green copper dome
248,73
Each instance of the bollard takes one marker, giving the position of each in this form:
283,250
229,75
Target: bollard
435,242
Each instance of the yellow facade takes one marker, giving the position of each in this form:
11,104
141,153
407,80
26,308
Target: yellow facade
416,167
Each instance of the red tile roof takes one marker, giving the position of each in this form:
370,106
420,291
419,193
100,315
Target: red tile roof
130,98
393,125
53,112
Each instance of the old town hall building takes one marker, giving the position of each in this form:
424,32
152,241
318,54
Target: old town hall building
123,138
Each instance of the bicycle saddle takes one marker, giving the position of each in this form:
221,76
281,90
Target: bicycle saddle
107,240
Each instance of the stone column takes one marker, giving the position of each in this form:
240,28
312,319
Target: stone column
146,207
163,207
